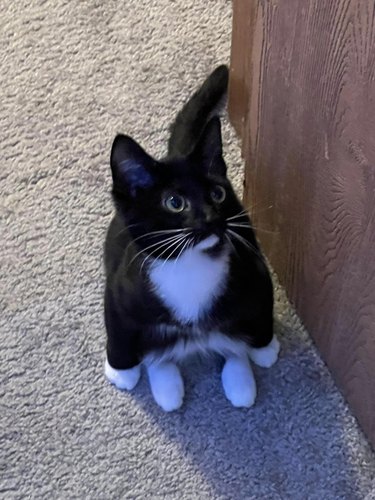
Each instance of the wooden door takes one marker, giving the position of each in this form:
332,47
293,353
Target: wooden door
302,96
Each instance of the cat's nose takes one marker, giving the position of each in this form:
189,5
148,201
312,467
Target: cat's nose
211,217
209,224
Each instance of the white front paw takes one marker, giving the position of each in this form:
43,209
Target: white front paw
167,385
123,379
266,356
238,382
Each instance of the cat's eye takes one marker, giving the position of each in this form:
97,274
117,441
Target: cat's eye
218,194
175,203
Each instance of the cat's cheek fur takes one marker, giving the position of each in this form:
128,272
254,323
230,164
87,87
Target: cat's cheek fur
238,382
123,379
167,385
266,356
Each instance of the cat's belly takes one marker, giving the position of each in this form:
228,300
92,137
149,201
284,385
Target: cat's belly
189,286
202,343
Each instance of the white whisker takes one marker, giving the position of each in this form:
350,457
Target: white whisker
174,246
126,228
248,226
162,243
246,243
240,214
245,212
174,242
231,244
231,224
183,248
154,233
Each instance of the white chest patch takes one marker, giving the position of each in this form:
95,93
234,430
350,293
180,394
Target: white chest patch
189,285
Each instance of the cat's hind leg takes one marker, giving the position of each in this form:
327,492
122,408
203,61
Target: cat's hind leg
166,384
238,381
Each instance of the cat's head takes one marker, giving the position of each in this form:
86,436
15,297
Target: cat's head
177,202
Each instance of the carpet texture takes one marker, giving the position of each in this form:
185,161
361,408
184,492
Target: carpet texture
73,74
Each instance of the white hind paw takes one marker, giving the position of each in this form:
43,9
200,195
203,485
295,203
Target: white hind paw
167,385
123,379
266,356
238,382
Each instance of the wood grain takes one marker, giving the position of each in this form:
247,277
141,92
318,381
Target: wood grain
244,15
309,145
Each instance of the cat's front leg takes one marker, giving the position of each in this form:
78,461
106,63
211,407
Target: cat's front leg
122,366
123,379
167,385
238,381
263,346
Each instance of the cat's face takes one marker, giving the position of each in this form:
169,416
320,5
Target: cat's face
174,204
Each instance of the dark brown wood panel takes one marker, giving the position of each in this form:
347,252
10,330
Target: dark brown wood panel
244,15
309,146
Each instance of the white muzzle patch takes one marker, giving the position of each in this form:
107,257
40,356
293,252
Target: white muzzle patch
208,242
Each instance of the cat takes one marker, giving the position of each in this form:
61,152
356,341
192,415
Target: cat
184,272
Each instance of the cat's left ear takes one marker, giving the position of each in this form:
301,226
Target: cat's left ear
209,150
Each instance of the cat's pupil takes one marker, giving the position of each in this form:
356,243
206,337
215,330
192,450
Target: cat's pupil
175,203
218,194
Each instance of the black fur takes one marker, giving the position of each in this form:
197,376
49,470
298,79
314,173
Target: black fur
133,312
193,117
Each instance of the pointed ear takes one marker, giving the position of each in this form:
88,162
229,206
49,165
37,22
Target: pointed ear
130,165
209,150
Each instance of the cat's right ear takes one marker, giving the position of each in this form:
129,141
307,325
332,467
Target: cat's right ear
130,165
209,150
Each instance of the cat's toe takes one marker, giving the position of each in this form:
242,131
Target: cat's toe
266,356
123,379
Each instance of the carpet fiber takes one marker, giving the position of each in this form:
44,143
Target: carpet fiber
73,73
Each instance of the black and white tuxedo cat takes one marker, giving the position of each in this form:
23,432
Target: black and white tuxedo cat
184,271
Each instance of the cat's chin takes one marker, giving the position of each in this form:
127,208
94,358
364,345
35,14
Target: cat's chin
212,245
208,243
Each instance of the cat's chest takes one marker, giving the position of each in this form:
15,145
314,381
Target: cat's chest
189,286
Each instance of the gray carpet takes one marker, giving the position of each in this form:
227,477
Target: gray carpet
73,73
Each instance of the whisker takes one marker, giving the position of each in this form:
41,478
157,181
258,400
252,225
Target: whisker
240,224
246,243
163,243
179,243
246,211
248,226
192,242
152,233
253,207
237,216
241,239
184,247
163,252
231,244
126,228
174,242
